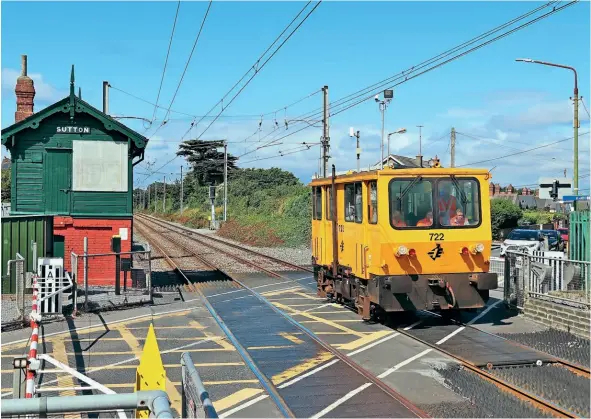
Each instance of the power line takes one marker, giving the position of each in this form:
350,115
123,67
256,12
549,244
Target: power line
408,74
285,153
521,152
186,67
586,110
257,68
166,61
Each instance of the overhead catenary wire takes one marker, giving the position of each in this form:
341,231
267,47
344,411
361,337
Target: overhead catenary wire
166,60
286,153
521,152
409,74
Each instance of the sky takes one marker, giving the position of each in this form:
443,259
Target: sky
497,106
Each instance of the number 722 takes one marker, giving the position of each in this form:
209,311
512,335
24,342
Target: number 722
436,237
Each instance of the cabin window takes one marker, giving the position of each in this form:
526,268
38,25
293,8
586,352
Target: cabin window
317,202
100,166
411,203
328,205
372,207
458,202
353,202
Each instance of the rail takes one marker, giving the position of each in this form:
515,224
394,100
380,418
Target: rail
156,401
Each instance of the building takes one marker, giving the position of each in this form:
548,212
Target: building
73,162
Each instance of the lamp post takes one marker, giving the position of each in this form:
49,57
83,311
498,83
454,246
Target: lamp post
575,118
400,131
388,95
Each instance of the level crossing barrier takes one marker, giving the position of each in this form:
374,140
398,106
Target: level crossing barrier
195,399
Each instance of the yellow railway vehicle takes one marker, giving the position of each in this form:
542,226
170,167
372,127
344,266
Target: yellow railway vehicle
395,240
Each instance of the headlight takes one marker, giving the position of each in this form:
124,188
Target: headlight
402,250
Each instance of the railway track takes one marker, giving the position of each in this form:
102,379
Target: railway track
295,398
486,370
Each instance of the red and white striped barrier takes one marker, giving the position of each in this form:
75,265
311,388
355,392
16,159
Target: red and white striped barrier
33,362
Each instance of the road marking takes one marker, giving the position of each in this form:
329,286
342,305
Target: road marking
484,313
131,340
235,398
403,363
162,327
309,373
64,380
452,334
269,347
300,368
357,343
335,321
340,401
291,338
317,307
280,291
135,319
234,299
242,406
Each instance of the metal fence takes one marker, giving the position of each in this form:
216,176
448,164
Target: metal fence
96,278
564,281
195,399
14,306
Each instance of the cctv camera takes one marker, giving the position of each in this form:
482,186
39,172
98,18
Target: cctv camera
377,98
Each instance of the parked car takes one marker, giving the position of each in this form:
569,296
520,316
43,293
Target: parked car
521,240
563,233
555,241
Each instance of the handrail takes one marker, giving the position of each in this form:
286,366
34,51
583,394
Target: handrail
189,369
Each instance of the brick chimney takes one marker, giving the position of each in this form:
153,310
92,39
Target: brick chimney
491,189
25,93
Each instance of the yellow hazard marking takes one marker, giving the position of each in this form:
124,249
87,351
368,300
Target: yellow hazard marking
150,373
64,380
130,339
167,366
280,292
309,296
166,327
270,347
291,338
304,297
335,321
301,368
303,305
178,383
235,398
168,352
365,340
325,321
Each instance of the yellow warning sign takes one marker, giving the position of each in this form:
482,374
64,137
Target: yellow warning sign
150,374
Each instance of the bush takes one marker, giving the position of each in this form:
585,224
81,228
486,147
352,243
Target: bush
503,214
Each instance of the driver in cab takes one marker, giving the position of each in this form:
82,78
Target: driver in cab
447,203
427,221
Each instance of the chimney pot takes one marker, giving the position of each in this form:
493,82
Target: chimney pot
23,65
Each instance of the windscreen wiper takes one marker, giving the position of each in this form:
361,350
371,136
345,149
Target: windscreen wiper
457,185
410,185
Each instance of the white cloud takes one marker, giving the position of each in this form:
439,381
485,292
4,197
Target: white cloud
44,92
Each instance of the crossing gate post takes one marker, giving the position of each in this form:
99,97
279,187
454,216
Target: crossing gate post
150,374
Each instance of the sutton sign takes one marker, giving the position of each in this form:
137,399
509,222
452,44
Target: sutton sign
73,130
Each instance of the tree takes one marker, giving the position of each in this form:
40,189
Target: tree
503,214
5,185
206,161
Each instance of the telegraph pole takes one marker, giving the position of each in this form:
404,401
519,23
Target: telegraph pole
225,179
420,144
452,147
148,196
325,135
181,189
164,196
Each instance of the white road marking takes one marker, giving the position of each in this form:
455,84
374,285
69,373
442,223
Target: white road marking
340,401
484,312
403,363
315,308
452,334
242,406
309,373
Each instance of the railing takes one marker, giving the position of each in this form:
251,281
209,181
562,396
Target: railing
155,401
13,305
564,281
195,399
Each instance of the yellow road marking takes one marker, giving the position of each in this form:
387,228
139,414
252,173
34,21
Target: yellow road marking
291,338
270,347
131,353
300,297
329,312
302,305
365,340
131,340
165,327
201,365
280,292
311,297
64,380
235,398
335,321
101,327
301,368
178,383
325,321
173,395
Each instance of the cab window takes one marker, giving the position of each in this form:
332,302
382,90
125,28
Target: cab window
372,205
458,202
317,202
411,203
353,202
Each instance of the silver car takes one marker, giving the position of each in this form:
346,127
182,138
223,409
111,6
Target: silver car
520,240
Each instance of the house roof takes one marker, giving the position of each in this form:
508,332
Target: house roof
398,162
72,105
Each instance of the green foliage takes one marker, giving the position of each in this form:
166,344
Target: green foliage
6,185
206,161
504,214
541,217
